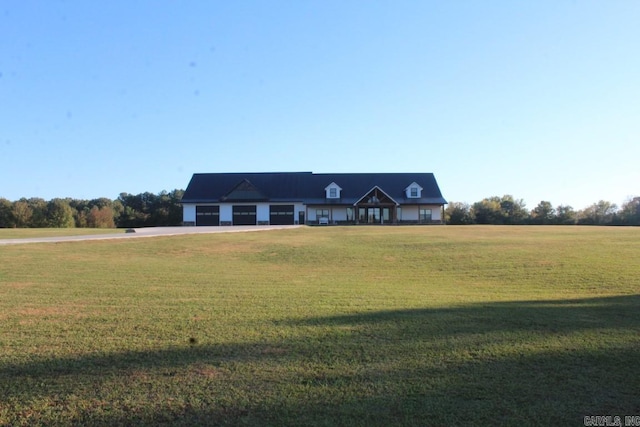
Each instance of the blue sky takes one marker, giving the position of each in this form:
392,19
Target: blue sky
538,99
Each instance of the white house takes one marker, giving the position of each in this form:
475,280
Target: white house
309,198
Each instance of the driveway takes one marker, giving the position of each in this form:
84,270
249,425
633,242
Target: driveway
148,232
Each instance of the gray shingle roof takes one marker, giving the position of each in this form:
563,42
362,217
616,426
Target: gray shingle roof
309,187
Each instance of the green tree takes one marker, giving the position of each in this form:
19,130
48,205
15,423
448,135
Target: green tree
60,214
601,213
137,209
544,213
175,208
22,213
565,215
500,210
513,210
6,214
630,212
39,208
458,213
487,211
148,209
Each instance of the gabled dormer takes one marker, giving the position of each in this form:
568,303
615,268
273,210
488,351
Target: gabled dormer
413,191
244,191
332,191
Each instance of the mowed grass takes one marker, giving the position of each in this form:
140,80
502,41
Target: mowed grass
324,326
20,233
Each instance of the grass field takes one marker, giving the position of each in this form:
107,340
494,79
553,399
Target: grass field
324,326
21,233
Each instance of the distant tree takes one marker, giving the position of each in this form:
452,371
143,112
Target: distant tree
81,217
6,214
135,212
601,213
80,211
487,211
458,213
96,213
166,209
630,212
39,208
544,213
118,208
513,210
500,210
128,210
565,215
100,217
147,209
159,209
22,213
100,203
175,208
60,214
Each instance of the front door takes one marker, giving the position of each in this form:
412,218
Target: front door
374,215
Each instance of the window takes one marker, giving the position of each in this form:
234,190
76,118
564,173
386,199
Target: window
322,213
413,191
373,215
425,215
399,213
332,191
350,216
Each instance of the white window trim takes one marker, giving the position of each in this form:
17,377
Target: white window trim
410,188
332,186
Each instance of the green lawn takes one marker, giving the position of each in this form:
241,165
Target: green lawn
473,325
20,233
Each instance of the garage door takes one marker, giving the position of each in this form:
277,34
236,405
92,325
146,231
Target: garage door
281,214
244,215
207,215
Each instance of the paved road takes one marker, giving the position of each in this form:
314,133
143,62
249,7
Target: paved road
148,232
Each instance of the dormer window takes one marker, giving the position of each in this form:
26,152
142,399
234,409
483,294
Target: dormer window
413,191
332,191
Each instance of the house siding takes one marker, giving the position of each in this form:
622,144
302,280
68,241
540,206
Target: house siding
308,192
411,213
263,211
189,214
226,214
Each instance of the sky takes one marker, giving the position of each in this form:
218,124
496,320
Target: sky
536,99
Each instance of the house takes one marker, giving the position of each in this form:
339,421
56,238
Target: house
312,198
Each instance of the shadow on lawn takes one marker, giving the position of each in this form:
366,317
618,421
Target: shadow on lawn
512,363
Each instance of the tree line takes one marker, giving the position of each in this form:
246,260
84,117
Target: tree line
509,210
128,210
164,209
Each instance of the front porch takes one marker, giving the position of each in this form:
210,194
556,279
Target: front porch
374,208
